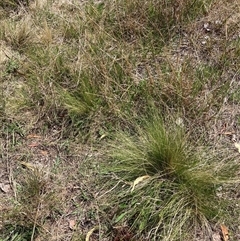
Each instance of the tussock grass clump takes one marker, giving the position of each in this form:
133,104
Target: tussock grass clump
173,188
18,35
34,203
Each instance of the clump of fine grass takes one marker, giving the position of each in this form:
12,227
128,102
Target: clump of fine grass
34,202
17,34
168,190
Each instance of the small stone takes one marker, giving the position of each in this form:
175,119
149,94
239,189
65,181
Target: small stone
216,237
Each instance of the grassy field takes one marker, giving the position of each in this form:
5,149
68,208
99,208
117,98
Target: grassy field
119,120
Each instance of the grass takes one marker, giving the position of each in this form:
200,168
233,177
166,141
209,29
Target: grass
123,103
178,195
34,202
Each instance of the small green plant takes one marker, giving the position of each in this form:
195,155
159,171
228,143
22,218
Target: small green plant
167,190
11,66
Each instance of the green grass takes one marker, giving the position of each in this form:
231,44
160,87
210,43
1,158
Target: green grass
180,188
82,89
